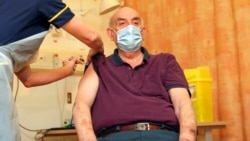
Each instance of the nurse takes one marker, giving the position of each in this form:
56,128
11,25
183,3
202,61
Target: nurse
23,26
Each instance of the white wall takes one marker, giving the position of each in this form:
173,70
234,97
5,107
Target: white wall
88,12
46,106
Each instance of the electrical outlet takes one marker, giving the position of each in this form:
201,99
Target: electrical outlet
69,97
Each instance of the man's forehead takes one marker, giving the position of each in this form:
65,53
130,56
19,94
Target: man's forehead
125,13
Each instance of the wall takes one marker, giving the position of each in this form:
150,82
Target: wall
214,33
46,106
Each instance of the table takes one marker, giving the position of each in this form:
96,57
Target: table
60,132
206,126
57,135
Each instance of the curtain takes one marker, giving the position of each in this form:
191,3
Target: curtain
213,33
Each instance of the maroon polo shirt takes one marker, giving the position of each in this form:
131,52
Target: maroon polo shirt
127,95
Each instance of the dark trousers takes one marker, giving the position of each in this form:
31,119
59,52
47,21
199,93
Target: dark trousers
151,135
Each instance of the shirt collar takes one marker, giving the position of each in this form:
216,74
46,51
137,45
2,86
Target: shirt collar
118,61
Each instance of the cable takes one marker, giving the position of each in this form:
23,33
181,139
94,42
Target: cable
25,128
61,107
39,133
15,99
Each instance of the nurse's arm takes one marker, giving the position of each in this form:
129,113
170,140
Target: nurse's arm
30,78
85,34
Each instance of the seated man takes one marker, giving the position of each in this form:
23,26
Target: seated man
133,95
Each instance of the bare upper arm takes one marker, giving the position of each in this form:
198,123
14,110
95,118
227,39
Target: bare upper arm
88,87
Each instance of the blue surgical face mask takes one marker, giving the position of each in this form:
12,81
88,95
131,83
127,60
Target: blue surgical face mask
129,39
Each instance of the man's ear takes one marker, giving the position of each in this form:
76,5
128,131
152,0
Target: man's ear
110,34
143,32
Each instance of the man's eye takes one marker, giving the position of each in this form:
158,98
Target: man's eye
136,23
122,23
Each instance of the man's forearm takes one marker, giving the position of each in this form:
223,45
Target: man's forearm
83,124
188,125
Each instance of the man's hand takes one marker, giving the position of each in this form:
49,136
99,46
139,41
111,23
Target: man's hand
188,136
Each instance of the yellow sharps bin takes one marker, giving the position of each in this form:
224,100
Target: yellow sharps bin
200,83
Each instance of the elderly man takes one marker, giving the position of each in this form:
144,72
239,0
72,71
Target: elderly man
132,95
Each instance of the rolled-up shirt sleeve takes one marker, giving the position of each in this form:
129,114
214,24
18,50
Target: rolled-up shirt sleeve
173,76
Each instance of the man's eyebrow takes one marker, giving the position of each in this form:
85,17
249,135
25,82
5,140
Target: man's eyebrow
120,19
137,18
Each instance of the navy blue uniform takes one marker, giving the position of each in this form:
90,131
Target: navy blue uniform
23,18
